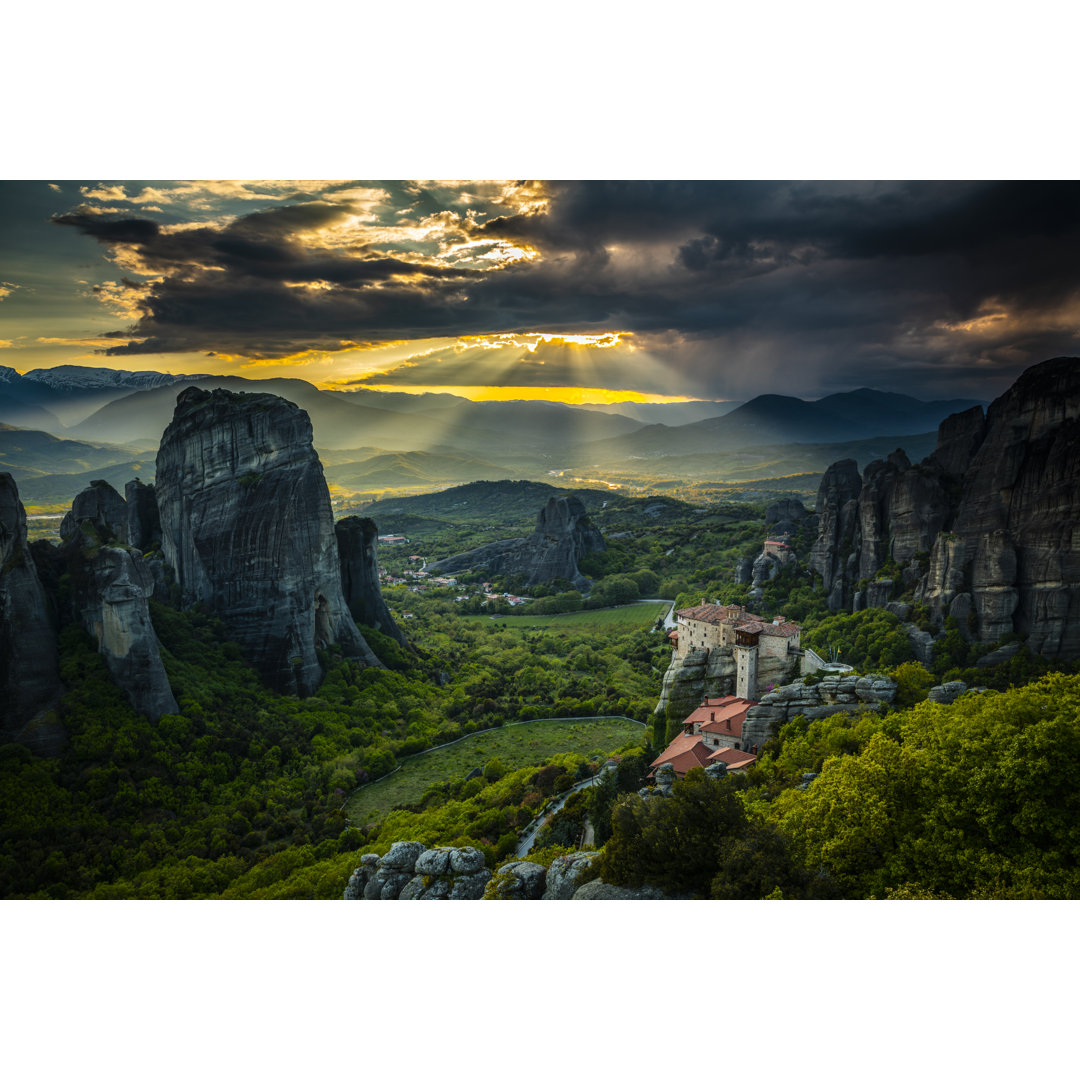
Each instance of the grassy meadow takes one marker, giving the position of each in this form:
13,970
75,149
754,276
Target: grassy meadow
627,617
515,745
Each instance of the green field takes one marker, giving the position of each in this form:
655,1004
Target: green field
628,617
515,745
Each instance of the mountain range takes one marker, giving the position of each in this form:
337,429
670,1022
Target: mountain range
373,440
773,419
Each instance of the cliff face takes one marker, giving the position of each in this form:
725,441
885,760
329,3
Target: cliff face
247,526
29,672
993,507
357,540
103,507
562,538
111,586
838,512
835,693
143,519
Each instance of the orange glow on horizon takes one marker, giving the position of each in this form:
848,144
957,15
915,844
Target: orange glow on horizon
566,395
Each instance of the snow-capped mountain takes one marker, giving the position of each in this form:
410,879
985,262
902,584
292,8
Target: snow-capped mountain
52,399
67,377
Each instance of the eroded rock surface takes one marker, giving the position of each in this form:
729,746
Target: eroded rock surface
113,593
111,586
985,528
29,671
357,540
248,528
103,507
144,520
564,535
833,694
409,871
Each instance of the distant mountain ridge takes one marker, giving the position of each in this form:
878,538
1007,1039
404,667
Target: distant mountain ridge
474,427
778,419
72,377
50,398
25,453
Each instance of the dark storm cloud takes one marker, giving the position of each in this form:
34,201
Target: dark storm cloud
735,278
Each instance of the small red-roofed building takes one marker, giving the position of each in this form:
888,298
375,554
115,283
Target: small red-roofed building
684,752
719,721
733,759
711,733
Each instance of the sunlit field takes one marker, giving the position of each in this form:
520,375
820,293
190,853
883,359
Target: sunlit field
627,617
515,745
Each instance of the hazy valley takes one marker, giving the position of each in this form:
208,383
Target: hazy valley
204,680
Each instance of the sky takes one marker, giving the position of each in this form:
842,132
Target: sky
579,290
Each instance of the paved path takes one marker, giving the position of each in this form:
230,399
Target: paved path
528,837
669,618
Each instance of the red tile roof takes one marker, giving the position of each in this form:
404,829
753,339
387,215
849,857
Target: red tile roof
733,759
711,613
685,753
739,618
715,717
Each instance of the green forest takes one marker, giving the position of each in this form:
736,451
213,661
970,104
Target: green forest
244,793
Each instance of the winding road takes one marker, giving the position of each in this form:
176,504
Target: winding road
528,837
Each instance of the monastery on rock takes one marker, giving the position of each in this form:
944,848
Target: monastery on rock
711,626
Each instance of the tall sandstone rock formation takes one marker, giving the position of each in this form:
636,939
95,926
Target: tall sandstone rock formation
29,672
985,529
562,538
111,586
357,540
247,527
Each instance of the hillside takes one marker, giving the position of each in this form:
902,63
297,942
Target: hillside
27,453
410,468
506,501
773,419
757,462
489,429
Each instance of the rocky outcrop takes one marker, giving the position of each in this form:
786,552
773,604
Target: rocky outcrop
248,529
764,568
564,875
357,540
114,588
786,517
111,586
946,693
29,671
517,881
838,511
101,506
983,529
143,517
833,694
701,673
562,538
409,871
600,890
